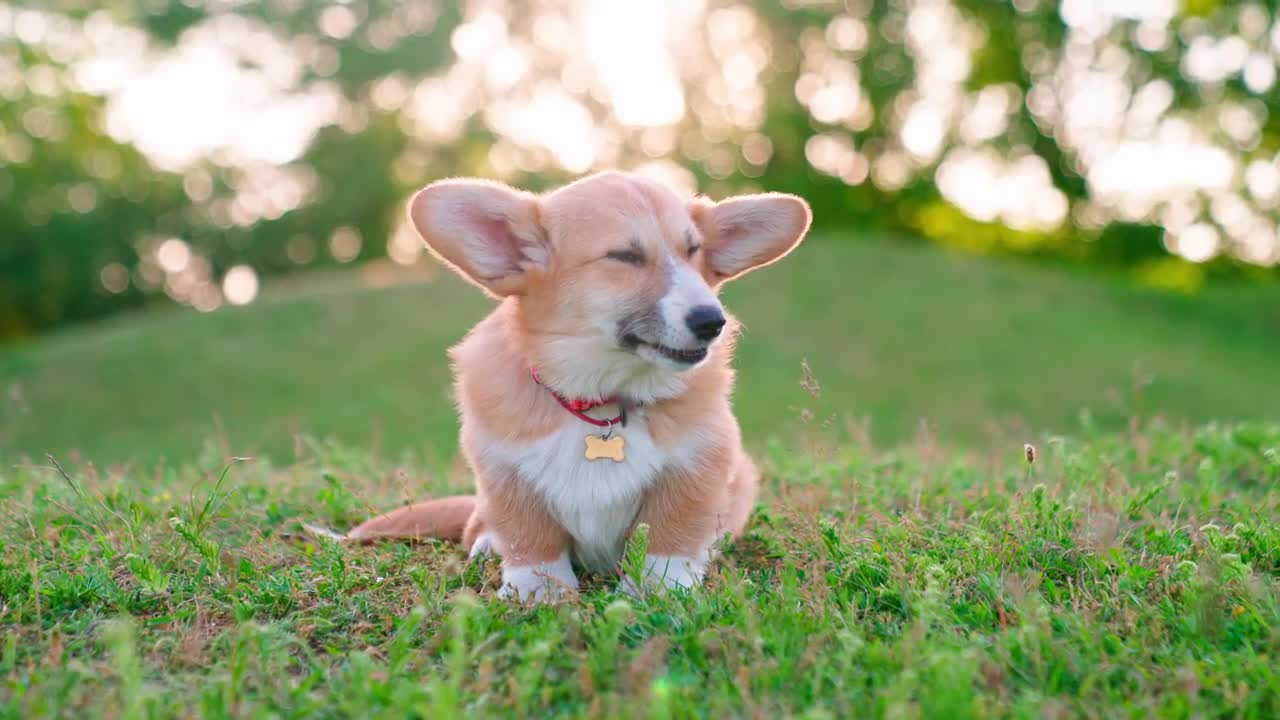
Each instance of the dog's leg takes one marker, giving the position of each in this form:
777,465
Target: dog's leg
514,522
687,511
539,582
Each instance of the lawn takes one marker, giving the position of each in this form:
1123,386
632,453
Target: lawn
1121,575
894,333
1132,570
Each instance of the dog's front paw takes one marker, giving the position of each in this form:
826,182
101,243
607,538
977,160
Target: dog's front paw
484,544
544,582
665,572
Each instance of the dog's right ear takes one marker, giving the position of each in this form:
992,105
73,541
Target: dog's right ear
490,233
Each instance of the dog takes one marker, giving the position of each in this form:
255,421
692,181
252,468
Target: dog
596,396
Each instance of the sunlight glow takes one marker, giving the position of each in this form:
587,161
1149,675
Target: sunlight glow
404,247
551,119
173,255
240,285
241,107
627,43
344,244
1197,243
1020,193
591,84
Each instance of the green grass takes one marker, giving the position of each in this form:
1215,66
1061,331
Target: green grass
894,333
1132,571
1122,575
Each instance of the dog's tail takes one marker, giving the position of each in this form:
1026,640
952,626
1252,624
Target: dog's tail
443,519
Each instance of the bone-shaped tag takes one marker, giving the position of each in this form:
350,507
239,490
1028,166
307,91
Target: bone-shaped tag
612,448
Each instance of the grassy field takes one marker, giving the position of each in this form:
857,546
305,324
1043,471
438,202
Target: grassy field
1132,571
1121,575
894,333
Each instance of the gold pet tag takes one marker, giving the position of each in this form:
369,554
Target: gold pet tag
606,447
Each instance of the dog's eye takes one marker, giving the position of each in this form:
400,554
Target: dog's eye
693,249
630,257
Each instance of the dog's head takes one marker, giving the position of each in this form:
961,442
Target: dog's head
615,275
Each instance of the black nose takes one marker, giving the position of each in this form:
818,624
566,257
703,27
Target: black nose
705,322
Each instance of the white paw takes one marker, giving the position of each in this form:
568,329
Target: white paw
546,582
666,572
482,546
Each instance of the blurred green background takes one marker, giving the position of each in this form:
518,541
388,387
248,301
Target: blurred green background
234,175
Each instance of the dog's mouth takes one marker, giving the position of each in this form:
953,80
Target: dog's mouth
690,356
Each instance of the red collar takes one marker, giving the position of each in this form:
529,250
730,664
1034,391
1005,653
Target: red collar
579,407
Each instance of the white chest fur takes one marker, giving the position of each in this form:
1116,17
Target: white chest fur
594,500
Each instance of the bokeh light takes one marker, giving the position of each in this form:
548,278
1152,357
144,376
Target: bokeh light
294,138
240,285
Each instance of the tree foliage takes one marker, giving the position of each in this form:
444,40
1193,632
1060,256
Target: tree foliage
83,210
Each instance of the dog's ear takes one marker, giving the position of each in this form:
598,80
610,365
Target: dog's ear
490,233
749,231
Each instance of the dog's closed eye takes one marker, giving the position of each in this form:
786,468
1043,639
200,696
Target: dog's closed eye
630,256
692,246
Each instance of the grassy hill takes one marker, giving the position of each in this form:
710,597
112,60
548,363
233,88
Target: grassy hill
894,333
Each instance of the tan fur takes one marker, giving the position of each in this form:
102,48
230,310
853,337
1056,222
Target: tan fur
494,383
526,533
546,258
444,518
691,508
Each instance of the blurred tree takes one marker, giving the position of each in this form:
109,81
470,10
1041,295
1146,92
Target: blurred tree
84,216
1078,130
1028,55
75,204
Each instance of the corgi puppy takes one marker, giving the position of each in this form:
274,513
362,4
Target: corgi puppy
596,395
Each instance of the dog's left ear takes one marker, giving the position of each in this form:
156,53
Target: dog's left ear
749,231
